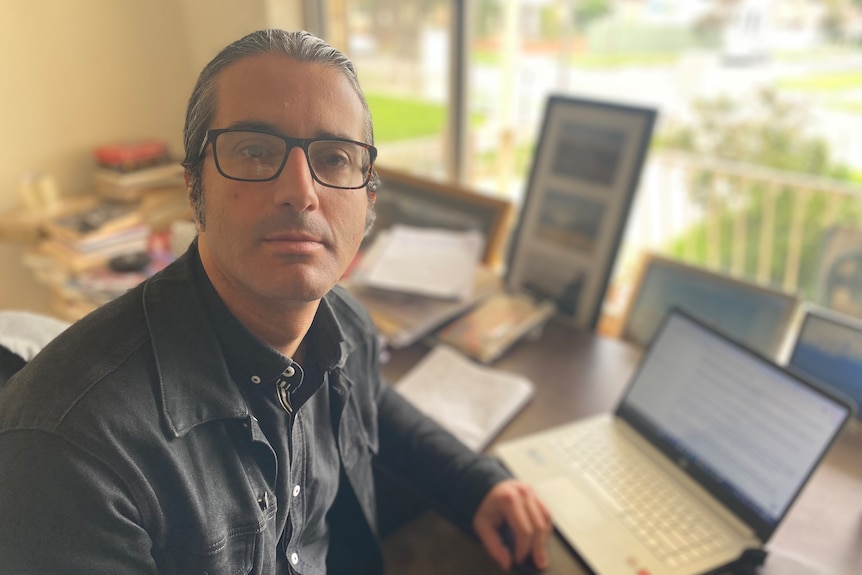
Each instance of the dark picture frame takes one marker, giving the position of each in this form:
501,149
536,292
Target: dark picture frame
586,168
416,201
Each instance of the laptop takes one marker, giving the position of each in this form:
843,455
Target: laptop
699,462
827,349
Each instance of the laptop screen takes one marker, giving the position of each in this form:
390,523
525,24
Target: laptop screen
828,349
749,430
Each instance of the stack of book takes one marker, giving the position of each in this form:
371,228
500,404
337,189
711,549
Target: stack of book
124,171
91,236
132,155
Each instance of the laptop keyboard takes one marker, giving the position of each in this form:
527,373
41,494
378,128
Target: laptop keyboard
647,502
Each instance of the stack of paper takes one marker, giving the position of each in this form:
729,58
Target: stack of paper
429,262
471,401
413,280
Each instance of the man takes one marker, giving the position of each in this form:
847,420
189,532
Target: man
223,416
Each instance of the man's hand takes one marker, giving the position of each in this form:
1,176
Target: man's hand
513,505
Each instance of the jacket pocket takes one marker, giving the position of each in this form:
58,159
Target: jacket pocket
231,555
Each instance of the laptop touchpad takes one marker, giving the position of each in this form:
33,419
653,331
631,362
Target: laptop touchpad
569,505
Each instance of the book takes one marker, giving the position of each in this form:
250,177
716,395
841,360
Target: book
125,156
130,185
471,401
161,207
487,331
26,224
75,261
104,241
95,219
101,285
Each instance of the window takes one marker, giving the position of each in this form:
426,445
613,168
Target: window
401,52
750,94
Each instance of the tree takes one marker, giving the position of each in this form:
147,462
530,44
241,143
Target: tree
588,11
766,133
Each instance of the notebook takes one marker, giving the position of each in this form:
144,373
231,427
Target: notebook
473,402
699,462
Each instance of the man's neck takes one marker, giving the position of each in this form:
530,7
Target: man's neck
283,327
280,324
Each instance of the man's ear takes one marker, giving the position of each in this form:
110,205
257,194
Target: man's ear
189,186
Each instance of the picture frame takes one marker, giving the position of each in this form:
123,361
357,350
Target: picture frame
757,315
586,168
408,199
839,271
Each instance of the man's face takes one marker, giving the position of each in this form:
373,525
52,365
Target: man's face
291,239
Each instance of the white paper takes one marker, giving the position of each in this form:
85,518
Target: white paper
430,262
471,401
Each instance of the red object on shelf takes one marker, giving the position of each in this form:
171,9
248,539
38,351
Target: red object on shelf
131,155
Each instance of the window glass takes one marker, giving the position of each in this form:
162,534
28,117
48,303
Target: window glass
401,52
756,161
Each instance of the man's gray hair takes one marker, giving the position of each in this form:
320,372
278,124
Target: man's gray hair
300,46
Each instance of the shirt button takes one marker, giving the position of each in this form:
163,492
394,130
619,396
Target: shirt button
295,490
289,371
294,558
255,379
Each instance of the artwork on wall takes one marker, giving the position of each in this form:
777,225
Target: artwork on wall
586,168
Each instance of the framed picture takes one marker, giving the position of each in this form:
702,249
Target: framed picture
585,171
410,200
839,273
759,316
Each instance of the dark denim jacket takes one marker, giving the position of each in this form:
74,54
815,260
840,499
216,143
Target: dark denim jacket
125,447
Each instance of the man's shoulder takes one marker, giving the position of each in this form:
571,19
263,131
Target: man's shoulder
348,310
60,376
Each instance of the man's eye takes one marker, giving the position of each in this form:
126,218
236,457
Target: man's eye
333,156
334,160
253,151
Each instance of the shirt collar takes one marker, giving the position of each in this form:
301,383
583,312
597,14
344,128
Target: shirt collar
247,356
185,316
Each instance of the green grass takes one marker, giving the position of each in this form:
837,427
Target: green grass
397,118
401,118
834,82
820,53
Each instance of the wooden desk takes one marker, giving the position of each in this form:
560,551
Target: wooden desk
578,374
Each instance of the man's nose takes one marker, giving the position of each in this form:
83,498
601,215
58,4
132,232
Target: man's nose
295,186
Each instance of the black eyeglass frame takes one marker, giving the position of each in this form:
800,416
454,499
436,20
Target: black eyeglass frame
212,136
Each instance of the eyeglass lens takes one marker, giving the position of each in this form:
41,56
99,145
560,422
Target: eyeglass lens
259,156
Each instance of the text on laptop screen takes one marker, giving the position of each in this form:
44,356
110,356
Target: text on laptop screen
743,422
829,350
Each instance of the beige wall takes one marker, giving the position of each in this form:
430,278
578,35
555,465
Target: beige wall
212,24
81,73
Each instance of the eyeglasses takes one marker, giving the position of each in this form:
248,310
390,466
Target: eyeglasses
258,156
